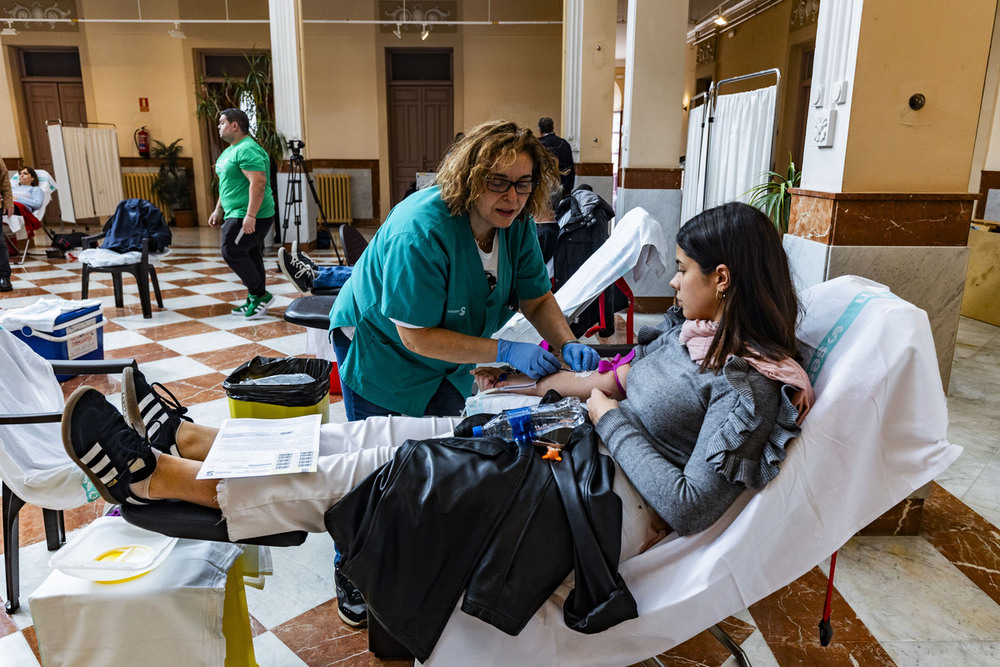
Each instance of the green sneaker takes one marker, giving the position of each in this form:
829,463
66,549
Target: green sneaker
258,305
242,309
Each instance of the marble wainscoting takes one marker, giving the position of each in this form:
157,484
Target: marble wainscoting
658,192
599,176
932,278
915,243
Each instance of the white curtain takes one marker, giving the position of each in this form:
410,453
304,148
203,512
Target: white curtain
86,163
739,151
694,181
105,170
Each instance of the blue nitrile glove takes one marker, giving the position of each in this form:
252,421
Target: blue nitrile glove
580,357
530,359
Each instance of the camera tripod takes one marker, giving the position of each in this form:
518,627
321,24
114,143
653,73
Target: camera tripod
293,199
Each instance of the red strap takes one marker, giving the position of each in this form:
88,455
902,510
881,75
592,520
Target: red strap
829,588
627,291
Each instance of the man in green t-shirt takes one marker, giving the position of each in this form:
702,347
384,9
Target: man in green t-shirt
245,209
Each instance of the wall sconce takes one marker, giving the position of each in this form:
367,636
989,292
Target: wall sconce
398,32
426,32
177,33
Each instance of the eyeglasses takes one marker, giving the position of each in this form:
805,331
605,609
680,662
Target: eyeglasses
501,184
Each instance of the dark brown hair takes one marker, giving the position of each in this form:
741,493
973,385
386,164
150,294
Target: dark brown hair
237,116
490,146
760,307
34,176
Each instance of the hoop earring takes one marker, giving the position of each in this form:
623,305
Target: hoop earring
720,294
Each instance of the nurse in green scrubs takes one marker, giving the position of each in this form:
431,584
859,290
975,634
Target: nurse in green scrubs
449,267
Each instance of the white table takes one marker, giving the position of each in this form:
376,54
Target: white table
172,615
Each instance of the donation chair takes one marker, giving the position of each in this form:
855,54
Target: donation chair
15,227
876,434
34,468
353,242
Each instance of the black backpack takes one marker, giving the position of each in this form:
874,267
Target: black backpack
584,218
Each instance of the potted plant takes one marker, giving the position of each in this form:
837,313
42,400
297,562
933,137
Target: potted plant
773,196
171,183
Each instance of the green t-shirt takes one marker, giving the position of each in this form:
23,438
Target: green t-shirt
423,268
234,187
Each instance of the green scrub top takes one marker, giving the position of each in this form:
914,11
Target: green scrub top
234,186
423,268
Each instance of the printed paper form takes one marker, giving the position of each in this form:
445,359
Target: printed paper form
259,447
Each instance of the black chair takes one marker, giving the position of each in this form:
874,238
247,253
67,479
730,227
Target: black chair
142,271
55,528
353,242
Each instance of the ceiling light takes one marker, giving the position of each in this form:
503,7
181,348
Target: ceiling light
719,19
177,33
426,32
398,32
9,30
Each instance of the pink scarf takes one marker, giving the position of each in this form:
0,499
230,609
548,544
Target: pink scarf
697,335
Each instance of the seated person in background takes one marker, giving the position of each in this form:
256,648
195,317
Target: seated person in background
27,191
704,419
307,275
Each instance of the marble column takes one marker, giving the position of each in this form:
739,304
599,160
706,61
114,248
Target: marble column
888,153
588,89
289,111
649,172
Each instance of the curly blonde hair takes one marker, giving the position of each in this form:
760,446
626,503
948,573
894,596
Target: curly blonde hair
489,147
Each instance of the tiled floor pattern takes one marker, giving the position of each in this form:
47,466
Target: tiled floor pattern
933,599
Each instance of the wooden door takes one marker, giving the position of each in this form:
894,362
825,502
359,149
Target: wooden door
421,122
42,100
421,113
51,101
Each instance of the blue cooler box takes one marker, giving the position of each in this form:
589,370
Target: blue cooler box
78,334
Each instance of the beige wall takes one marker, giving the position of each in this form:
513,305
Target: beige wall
890,147
759,43
341,84
512,71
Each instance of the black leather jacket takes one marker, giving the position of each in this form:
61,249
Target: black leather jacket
486,517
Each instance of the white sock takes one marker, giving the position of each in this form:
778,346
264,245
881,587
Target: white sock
141,489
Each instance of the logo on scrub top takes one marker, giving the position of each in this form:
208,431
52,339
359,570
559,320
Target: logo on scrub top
460,311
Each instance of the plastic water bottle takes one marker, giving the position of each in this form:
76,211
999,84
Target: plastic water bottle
525,424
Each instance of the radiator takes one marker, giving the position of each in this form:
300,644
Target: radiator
335,196
141,186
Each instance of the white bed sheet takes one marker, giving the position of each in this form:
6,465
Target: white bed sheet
876,434
636,246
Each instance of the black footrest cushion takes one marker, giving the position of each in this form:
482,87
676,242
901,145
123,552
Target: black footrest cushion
175,518
310,311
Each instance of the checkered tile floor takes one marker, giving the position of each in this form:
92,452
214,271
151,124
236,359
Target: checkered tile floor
932,599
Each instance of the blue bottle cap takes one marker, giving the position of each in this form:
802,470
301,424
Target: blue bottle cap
477,431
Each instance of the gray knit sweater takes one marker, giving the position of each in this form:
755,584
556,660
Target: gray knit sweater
690,442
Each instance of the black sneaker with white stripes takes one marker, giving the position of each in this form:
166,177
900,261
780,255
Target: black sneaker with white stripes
110,453
152,410
300,273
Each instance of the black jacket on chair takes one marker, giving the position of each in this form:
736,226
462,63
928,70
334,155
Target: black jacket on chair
483,516
133,221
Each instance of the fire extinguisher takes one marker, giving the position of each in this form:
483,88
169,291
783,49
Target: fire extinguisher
141,138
